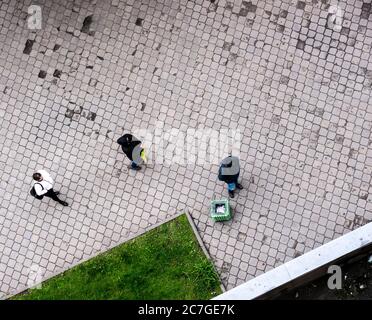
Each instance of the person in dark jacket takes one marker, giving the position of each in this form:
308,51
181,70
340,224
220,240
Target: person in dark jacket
229,173
131,146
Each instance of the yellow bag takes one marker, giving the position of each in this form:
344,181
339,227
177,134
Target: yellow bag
143,156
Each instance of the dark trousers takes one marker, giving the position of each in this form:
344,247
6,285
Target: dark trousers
51,194
231,185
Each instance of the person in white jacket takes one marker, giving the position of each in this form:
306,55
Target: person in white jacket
43,186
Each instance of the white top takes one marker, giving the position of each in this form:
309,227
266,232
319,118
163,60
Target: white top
42,187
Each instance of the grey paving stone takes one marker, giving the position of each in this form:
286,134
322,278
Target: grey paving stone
298,92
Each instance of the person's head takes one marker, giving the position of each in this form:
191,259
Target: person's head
37,176
226,163
128,138
125,140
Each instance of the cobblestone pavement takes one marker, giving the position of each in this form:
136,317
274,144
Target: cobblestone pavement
296,85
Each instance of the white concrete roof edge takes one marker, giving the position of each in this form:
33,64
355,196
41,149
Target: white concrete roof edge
299,266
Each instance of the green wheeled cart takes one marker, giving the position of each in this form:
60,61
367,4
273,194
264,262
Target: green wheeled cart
220,210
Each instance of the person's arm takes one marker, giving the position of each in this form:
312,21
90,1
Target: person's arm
39,189
46,176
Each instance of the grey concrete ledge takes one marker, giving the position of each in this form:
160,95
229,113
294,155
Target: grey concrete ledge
302,265
202,245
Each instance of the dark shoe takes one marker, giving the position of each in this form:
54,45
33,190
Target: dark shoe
57,193
136,168
64,203
239,186
231,194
